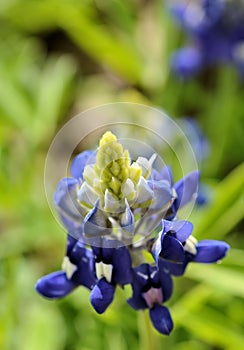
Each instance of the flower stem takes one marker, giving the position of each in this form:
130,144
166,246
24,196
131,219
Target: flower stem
148,337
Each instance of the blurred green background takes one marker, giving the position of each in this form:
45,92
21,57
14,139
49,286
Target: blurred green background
58,58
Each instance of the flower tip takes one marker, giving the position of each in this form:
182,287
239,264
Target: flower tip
107,137
102,295
161,319
55,285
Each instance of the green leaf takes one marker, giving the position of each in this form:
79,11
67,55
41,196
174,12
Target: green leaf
226,208
226,279
215,328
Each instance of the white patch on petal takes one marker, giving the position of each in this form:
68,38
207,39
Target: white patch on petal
142,275
107,271
89,174
68,267
190,245
144,192
127,219
104,270
87,196
153,274
146,164
174,193
111,204
128,189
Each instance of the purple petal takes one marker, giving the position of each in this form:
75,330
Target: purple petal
209,251
79,163
161,319
102,295
186,189
55,285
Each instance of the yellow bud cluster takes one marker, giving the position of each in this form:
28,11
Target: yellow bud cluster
113,166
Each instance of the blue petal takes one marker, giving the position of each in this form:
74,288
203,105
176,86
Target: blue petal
161,319
118,257
127,219
166,284
102,295
71,241
141,275
137,302
157,247
204,195
209,251
78,252
162,195
122,271
172,249
79,163
95,223
84,260
140,281
175,269
180,228
166,175
186,189
103,248
55,285
65,199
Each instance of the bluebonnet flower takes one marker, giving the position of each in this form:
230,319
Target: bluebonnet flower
113,267
151,288
175,247
217,32
196,137
113,208
77,270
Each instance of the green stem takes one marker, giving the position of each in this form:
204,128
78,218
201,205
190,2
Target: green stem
148,337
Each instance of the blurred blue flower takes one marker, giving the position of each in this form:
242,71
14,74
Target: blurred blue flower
201,148
151,288
217,32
